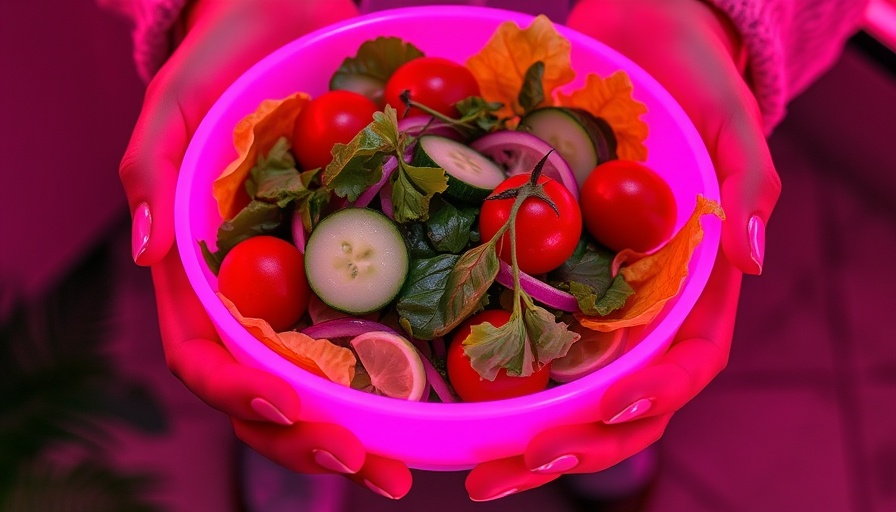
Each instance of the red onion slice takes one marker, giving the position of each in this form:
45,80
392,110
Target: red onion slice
538,290
345,327
414,126
299,237
434,378
389,167
517,152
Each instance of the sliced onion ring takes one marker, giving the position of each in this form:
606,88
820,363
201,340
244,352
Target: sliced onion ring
389,167
538,290
344,327
299,237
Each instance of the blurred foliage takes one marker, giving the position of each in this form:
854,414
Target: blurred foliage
60,394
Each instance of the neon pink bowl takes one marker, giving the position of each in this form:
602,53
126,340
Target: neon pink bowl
425,435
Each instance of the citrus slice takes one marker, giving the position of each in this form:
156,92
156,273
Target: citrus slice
591,352
393,364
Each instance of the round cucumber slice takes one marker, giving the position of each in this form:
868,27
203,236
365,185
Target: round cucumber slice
356,260
583,140
471,175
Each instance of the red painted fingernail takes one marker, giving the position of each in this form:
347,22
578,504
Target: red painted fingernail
561,464
756,232
140,229
497,496
269,411
330,462
637,409
379,490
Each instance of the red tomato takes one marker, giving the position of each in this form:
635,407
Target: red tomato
544,240
627,205
467,382
331,118
432,81
264,277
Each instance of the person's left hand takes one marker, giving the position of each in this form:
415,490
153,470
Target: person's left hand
692,51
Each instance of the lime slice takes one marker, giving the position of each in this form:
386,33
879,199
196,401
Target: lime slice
593,351
393,364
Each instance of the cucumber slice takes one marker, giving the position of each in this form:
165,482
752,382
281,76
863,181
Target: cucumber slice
471,175
356,260
582,139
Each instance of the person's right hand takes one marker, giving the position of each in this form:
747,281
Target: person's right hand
224,39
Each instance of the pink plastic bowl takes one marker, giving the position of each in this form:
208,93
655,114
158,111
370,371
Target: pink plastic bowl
435,436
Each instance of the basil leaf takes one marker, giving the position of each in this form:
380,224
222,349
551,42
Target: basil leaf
593,304
531,94
450,227
373,64
589,265
359,164
467,285
416,240
418,302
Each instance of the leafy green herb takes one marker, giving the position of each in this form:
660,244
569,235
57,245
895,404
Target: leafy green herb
257,218
468,284
359,164
371,67
587,276
418,302
532,92
450,227
478,113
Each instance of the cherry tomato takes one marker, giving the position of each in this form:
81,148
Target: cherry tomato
432,81
331,118
544,240
473,388
627,205
264,277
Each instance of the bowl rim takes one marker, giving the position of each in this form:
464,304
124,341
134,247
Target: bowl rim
634,358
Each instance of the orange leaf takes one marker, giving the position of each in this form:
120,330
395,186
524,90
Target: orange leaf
611,99
657,277
501,65
319,357
254,135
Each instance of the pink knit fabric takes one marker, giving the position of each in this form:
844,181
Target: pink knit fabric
154,30
790,42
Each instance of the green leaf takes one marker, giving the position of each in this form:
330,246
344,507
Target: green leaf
374,63
257,218
551,339
450,227
418,302
416,239
532,93
491,348
478,112
467,285
589,265
359,164
413,189
593,304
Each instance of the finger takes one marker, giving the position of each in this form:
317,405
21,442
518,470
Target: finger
698,353
195,355
499,478
591,447
305,447
749,186
386,477
148,173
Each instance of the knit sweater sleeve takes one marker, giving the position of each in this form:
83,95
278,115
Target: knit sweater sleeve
154,30
789,44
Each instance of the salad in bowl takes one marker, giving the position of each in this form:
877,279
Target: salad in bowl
429,236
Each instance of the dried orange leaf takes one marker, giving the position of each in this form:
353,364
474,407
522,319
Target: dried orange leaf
657,277
500,67
253,136
611,99
319,357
